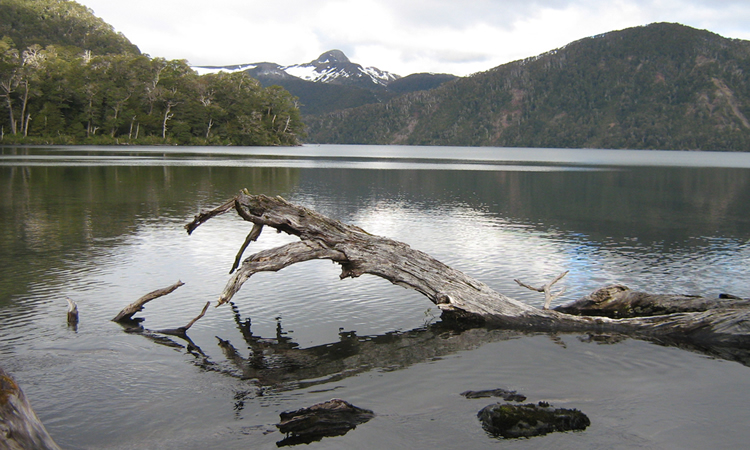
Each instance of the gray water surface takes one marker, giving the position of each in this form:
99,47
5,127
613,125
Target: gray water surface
104,226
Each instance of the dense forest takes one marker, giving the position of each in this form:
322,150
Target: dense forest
66,77
662,86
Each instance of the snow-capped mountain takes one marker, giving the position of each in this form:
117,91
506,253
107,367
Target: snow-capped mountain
332,67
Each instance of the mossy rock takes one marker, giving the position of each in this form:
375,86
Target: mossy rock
516,421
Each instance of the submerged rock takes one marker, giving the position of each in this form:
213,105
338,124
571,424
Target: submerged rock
508,396
332,418
517,421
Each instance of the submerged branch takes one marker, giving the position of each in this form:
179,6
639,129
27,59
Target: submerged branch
182,331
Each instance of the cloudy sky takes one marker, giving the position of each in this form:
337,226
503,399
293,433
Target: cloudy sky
400,36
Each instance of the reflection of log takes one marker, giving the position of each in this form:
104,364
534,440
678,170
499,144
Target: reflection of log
20,428
456,294
127,313
182,331
283,365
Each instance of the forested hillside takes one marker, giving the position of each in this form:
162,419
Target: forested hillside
662,86
67,77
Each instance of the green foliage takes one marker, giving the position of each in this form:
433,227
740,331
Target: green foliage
663,86
59,22
64,94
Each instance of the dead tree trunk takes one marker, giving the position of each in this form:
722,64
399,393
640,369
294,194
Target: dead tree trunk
457,295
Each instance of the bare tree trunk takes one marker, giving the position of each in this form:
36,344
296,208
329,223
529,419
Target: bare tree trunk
130,132
9,104
167,116
457,295
208,129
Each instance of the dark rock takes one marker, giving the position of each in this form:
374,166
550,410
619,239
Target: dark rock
332,418
516,421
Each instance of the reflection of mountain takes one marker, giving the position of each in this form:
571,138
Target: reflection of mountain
659,204
56,211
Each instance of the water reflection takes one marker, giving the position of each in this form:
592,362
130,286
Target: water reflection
105,233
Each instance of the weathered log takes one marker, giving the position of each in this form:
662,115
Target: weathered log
127,313
618,301
20,428
332,418
523,421
456,294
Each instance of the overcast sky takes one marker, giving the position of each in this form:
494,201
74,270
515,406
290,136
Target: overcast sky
400,36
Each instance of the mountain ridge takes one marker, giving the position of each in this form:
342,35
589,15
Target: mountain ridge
659,86
332,82
332,67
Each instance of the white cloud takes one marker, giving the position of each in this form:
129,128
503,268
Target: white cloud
401,36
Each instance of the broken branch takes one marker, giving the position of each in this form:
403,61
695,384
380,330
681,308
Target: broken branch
548,296
251,237
128,312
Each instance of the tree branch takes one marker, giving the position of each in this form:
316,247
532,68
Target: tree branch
548,296
128,312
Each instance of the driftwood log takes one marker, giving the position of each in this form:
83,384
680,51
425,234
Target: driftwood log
619,301
20,428
456,294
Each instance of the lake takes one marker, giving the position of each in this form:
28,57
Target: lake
104,226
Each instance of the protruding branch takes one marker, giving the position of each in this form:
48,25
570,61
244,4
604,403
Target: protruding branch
205,215
275,259
251,237
128,312
72,312
548,296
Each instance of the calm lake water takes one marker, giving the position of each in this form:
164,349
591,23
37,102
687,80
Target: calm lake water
104,226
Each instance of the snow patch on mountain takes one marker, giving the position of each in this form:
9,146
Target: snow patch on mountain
204,70
330,67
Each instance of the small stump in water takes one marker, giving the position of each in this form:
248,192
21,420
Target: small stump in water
332,418
517,421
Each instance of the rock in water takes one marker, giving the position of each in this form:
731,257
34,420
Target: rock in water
332,418
516,421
